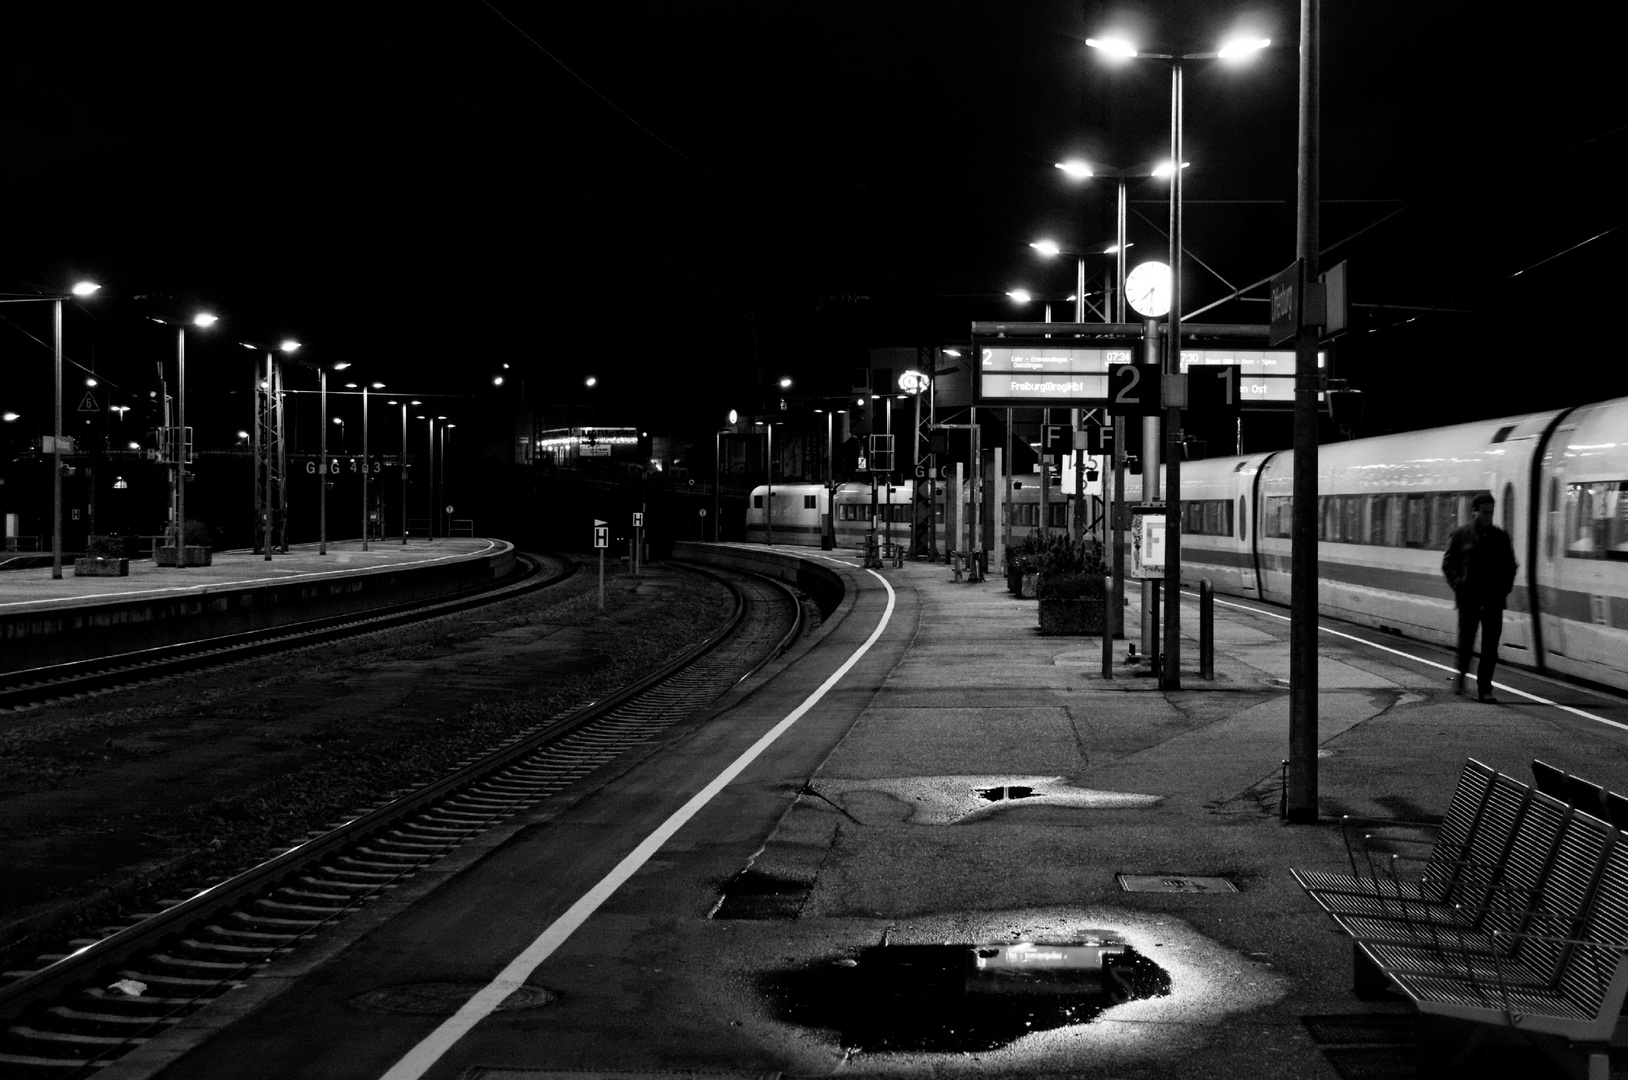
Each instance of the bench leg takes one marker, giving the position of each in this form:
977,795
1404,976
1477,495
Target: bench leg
1367,981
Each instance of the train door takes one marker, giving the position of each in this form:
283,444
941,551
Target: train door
1550,553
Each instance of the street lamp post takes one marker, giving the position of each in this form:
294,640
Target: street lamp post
1170,674
81,289
183,443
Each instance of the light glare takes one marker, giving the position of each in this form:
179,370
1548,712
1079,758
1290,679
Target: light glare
1047,248
1075,170
1237,47
1020,295
85,288
1113,46
203,318
289,345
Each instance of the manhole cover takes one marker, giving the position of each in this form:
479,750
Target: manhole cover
1181,883
444,999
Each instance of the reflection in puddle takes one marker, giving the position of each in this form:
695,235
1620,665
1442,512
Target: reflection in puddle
964,998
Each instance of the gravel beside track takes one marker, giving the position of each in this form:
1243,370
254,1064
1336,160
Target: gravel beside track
148,793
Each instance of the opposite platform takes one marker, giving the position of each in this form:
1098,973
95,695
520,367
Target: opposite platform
45,620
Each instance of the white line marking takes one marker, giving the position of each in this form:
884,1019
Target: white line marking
420,1058
1432,663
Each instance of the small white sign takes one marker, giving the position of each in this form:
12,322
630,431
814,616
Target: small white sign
638,520
601,536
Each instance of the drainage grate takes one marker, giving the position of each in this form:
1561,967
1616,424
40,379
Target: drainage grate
1177,883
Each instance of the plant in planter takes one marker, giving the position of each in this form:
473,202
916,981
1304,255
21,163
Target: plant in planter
195,550
104,557
1073,589
1036,554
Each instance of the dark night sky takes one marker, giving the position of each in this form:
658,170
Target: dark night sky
690,200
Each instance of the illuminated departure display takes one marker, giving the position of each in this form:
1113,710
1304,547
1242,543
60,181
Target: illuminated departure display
1038,373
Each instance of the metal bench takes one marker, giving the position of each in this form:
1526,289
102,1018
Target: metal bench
1519,925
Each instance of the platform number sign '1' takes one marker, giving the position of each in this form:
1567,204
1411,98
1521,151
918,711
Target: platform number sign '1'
1133,389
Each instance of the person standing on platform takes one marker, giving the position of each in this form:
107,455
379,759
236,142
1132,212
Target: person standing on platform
1480,566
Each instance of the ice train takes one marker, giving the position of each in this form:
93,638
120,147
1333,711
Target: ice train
1386,506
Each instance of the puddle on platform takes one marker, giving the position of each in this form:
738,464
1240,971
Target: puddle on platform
964,998
948,800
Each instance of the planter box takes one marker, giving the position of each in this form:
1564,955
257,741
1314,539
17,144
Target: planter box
101,568
1029,584
1079,617
195,556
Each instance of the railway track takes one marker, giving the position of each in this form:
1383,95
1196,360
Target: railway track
79,1012
37,686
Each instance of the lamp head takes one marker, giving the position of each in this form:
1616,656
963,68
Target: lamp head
203,319
1116,47
85,288
1048,248
1075,169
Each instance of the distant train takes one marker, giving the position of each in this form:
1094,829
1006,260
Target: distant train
1386,507
799,510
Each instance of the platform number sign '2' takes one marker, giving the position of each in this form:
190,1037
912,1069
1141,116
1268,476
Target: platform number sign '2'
1133,389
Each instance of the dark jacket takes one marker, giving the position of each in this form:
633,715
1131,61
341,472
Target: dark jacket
1479,565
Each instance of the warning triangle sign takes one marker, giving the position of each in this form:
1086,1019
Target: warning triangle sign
89,404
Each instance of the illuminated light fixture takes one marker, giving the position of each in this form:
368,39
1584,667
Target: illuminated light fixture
90,382
341,365
1112,248
1238,47
1075,169
203,318
785,383
497,380
590,381
120,484
1047,248
1165,168
289,345
85,288
1021,296
1113,46
952,352
10,417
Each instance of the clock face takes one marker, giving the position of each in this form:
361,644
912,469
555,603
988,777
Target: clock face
1147,289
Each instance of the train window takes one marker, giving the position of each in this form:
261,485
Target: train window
757,502
1243,519
1351,511
1597,520
1508,502
1277,516
811,502
1378,517
1554,508
1418,519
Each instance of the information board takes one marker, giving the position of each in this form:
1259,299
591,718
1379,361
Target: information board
1039,373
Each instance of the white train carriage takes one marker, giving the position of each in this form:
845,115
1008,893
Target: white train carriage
797,510
1387,506
1576,557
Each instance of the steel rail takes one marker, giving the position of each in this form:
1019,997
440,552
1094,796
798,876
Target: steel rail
102,960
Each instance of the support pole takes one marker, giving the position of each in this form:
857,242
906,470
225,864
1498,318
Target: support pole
1302,786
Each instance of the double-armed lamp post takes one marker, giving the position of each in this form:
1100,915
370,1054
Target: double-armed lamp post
1122,49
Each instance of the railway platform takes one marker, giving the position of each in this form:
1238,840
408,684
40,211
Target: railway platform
924,769
49,620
